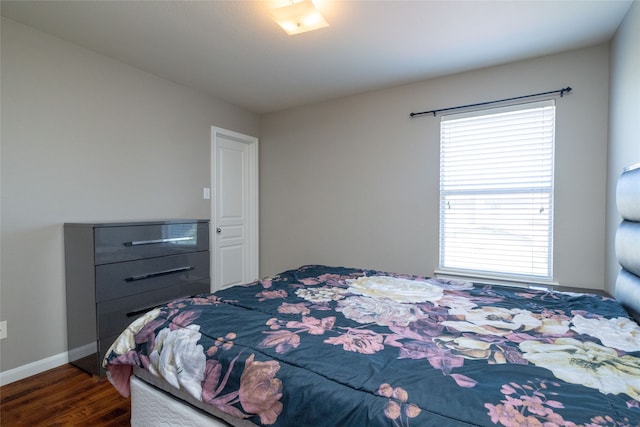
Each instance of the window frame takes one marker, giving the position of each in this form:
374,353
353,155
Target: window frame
445,266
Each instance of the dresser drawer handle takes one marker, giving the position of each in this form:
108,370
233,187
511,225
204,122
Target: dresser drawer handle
158,241
158,273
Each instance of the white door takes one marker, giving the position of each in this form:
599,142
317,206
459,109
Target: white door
234,226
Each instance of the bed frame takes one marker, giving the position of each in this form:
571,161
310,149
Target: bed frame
628,240
155,403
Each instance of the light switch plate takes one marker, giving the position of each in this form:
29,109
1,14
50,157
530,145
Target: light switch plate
206,193
3,329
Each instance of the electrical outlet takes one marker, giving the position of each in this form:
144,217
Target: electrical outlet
3,329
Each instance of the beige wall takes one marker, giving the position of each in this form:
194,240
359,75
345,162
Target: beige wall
87,138
624,121
355,181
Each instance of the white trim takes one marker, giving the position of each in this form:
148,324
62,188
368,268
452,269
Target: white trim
33,368
85,350
496,280
484,110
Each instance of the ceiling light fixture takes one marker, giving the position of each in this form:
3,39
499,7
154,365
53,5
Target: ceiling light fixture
298,17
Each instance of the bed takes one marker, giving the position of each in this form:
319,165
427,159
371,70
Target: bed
338,346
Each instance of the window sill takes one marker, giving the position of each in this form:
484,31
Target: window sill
516,282
522,282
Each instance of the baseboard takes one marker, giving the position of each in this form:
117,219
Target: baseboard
33,368
80,352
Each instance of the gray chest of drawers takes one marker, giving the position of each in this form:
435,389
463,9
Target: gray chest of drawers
115,272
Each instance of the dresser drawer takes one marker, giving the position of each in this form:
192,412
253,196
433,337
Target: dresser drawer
115,315
122,279
126,243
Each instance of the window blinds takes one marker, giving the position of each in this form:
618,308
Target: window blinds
496,191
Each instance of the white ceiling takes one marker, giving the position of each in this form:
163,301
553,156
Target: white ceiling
235,52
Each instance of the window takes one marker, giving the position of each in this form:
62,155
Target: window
496,192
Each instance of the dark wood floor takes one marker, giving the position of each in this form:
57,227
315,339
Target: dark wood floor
63,396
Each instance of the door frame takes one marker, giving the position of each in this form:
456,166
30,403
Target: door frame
251,265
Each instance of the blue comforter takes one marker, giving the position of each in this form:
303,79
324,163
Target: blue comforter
321,346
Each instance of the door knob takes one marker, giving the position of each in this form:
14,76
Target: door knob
218,230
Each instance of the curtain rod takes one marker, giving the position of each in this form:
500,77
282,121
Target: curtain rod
434,112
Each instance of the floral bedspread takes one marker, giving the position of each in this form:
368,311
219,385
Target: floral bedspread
322,346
